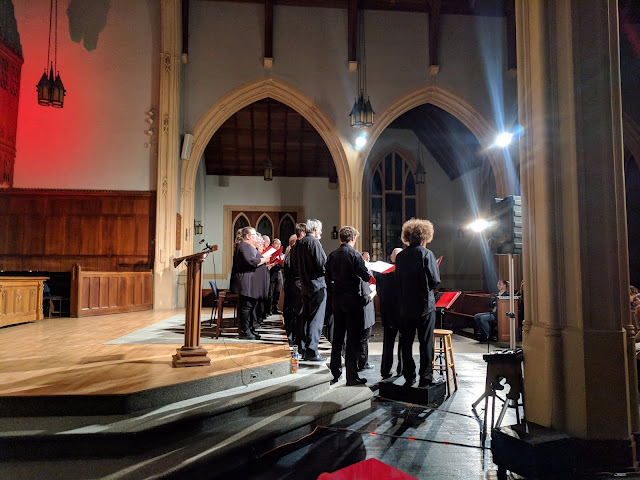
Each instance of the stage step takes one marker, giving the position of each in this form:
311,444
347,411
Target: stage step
181,437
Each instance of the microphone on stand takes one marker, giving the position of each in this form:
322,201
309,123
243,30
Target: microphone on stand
206,244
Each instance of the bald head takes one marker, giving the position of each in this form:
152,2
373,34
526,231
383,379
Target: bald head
394,254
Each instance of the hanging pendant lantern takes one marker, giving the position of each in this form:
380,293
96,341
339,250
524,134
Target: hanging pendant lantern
268,170
362,113
44,90
51,91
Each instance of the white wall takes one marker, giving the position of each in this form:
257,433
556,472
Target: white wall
314,194
310,53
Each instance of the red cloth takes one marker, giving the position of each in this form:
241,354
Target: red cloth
369,469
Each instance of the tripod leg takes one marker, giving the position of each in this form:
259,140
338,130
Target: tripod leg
505,405
477,402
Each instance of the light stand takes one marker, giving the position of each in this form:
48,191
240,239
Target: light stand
511,314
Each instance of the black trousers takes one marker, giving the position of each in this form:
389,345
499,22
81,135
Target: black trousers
348,317
363,350
314,304
247,315
424,325
388,344
292,310
275,287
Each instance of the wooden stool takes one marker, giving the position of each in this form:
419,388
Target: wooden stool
443,350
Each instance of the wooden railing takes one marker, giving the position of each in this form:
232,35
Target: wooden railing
103,293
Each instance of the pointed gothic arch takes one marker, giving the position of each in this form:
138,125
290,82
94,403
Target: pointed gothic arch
271,224
239,98
448,101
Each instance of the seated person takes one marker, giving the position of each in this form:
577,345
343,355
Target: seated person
482,319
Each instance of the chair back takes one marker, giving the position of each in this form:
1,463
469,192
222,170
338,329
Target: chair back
46,291
214,290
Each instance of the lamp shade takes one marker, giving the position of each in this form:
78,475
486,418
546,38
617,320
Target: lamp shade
44,90
420,172
197,227
268,171
57,93
361,115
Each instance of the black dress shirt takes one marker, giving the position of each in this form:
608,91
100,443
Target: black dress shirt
345,271
309,258
417,274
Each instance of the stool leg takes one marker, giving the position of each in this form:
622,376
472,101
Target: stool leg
446,367
452,363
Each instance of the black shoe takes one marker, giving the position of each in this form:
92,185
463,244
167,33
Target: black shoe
335,380
409,382
429,383
358,381
386,375
257,335
317,358
250,336
367,366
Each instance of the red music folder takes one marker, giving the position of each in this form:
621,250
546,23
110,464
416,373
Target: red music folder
447,299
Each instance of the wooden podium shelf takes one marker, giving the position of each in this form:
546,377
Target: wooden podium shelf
104,293
20,299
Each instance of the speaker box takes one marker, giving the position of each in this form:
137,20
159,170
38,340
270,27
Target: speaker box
187,143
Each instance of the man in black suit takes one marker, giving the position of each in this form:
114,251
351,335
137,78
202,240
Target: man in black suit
418,274
292,311
309,258
345,273
389,295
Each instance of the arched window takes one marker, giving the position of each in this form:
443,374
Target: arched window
393,201
287,228
240,222
265,227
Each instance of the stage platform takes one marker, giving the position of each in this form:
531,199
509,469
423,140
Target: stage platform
122,362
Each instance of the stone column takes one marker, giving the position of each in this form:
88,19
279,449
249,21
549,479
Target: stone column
164,280
575,260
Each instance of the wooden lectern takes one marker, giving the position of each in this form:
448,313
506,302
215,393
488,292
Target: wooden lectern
191,354
503,319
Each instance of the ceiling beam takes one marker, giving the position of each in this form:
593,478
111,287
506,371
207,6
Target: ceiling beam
352,27
268,33
510,13
185,30
433,7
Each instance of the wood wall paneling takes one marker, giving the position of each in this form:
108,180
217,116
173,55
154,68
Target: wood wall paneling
51,230
100,293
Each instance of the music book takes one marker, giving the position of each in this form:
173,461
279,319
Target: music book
380,266
270,251
447,299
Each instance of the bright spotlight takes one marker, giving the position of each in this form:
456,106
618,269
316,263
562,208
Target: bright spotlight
504,139
478,225
361,141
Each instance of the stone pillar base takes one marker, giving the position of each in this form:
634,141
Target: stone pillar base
606,455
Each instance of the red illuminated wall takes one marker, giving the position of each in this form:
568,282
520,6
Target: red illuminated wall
10,66
97,141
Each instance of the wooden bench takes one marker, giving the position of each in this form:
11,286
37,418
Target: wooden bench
461,313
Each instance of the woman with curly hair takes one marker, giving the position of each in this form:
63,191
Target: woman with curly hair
418,274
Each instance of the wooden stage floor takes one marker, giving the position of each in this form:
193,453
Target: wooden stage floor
70,356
